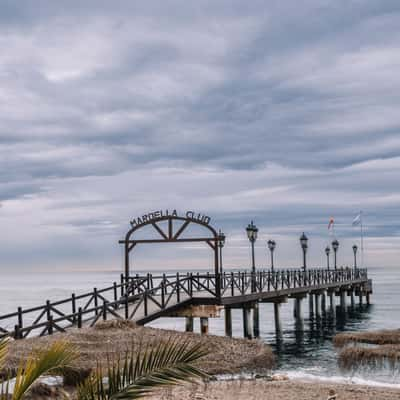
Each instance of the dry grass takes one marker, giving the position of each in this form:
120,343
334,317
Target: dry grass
377,337
355,353
112,339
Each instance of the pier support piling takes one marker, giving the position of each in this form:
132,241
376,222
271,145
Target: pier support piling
323,302
228,321
246,322
311,305
256,320
318,305
299,313
204,325
367,298
352,299
277,317
189,324
343,300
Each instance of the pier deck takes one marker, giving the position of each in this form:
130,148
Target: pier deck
143,299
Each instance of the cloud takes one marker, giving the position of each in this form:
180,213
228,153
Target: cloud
282,114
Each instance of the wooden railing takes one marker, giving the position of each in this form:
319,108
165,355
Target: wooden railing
138,297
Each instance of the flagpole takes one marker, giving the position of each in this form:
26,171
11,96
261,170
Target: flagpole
362,240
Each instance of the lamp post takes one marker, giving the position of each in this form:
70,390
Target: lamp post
355,248
304,246
271,246
252,231
335,246
221,244
327,251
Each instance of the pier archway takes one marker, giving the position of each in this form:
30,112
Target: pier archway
170,229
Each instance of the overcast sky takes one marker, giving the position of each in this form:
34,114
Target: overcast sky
282,112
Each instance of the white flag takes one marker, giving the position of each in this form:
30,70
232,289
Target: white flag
357,219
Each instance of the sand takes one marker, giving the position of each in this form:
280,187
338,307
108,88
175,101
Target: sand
265,390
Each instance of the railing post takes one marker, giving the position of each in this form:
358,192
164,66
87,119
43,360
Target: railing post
80,317
115,292
48,309
50,325
208,280
126,303
95,300
122,285
232,285
178,288
104,310
163,292
191,285
17,332
20,321
73,307
145,303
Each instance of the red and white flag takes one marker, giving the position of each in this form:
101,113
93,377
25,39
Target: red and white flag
331,223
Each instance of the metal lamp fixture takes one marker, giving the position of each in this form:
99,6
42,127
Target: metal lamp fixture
335,246
327,252
271,246
304,246
252,231
221,244
355,248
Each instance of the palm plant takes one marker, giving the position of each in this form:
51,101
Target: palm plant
54,360
135,376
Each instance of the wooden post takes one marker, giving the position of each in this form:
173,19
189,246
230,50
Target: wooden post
17,332
126,303
73,307
204,325
122,285
50,325
95,300
323,302
360,299
317,305
80,317
189,324
352,299
332,303
20,321
256,320
277,318
299,313
367,298
311,304
104,310
115,293
178,288
343,300
228,321
246,323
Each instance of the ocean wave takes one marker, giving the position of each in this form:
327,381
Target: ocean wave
347,380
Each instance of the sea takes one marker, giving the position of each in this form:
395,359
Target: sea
309,355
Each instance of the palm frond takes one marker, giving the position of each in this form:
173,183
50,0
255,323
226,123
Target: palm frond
3,352
138,375
58,356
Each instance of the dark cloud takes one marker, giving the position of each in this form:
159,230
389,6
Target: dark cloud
281,112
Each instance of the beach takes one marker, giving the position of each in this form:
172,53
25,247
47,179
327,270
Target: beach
239,369
261,389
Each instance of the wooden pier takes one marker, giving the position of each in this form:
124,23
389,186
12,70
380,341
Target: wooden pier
145,298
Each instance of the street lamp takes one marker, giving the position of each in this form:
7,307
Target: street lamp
252,231
304,246
221,244
335,246
327,251
355,248
271,246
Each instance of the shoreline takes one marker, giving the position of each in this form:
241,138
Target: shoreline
261,389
